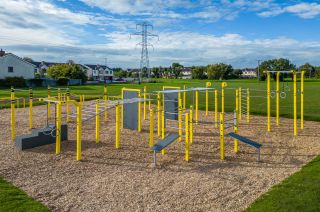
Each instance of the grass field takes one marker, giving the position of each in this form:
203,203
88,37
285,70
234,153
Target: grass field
258,100
13,199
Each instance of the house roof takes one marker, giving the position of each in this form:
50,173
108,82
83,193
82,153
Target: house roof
19,58
95,67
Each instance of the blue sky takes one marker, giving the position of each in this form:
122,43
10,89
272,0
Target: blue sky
191,32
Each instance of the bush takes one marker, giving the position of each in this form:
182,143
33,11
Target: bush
62,81
70,71
35,82
13,81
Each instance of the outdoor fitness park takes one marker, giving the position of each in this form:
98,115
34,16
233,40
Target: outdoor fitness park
154,146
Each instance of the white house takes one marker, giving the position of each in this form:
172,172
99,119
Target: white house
249,73
14,66
99,72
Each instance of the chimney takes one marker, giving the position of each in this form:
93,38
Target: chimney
2,53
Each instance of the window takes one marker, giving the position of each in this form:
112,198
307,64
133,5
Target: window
10,69
107,72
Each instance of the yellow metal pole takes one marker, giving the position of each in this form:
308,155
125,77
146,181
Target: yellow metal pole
159,115
236,144
208,84
79,132
277,98
49,104
240,104
151,129
216,108
191,124
223,85
97,122
117,127
83,99
268,102
105,98
58,128
30,108
221,136
163,130
139,114
180,117
294,103
187,136
197,105
302,99
248,105
144,103
184,97
13,116
59,94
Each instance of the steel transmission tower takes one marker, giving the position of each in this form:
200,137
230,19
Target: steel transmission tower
144,61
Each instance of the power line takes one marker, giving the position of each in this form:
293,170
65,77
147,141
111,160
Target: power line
144,61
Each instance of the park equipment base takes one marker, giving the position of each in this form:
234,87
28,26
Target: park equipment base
40,137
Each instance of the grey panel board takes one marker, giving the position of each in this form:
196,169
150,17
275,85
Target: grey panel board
171,105
40,137
130,111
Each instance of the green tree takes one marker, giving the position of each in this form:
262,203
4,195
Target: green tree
69,71
176,70
219,71
317,72
198,72
280,64
308,69
156,72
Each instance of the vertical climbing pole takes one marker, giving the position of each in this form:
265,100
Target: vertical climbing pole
58,128
117,126
221,136
151,128
187,136
216,108
208,84
191,125
159,113
163,129
97,122
277,98
144,102
268,102
248,105
197,106
236,144
184,97
180,116
139,112
105,98
79,131
59,94
302,100
294,103
13,115
49,104
30,108
68,105
240,104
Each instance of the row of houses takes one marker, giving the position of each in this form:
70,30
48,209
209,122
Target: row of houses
13,66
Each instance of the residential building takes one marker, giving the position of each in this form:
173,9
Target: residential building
99,72
249,73
14,66
42,67
186,73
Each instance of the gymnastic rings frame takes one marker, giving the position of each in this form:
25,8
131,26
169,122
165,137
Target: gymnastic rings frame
283,95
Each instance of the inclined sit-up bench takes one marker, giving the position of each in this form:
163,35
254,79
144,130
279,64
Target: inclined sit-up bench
247,141
170,138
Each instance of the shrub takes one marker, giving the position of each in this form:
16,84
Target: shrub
62,81
13,81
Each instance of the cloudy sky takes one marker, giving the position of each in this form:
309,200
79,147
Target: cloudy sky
191,32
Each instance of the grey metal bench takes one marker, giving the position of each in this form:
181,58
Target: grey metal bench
170,138
247,141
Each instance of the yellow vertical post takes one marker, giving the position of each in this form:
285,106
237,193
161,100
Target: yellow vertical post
97,122
187,136
151,128
13,115
117,127
216,108
49,104
302,100
221,136
197,105
268,102
163,130
184,97
294,103
59,94
180,117
83,99
30,108
139,113
79,132
236,142
68,105
105,98
144,103
159,115
223,85
191,124
208,84
277,98
58,128
248,105
240,104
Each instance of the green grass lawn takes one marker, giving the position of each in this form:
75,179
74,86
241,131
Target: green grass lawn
299,192
13,199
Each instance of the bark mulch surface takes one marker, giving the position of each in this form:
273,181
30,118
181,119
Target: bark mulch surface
117,180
